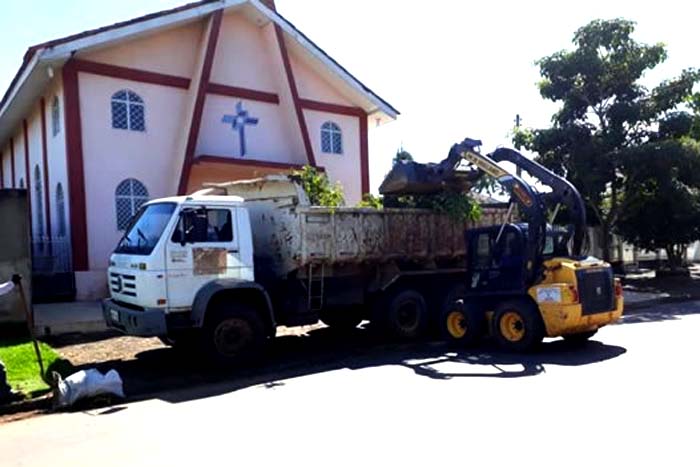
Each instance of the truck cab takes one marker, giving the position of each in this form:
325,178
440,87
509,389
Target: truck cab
173,248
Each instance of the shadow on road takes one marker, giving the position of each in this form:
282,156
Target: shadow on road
660,312
171,376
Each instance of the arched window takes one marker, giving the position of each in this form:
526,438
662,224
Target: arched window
38,192
128,112
331,138
130,195
61,210
55,116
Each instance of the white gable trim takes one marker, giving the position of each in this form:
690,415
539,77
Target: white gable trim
380,106
64,51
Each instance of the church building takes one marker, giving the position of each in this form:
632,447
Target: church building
95,124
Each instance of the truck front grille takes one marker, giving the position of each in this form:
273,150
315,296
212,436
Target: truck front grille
124,284
596,289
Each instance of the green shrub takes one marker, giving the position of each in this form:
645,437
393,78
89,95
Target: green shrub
318,188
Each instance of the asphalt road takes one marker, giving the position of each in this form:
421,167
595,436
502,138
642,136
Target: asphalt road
630,397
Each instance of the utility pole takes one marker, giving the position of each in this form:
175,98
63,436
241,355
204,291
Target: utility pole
518,121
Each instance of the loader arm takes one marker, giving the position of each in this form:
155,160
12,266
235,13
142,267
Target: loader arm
563,192
529,202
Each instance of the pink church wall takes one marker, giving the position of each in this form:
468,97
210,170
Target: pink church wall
6,167
172,52
312,86
145,156
265,141
287,110
56,156
19,158
343,168
242,56
36,160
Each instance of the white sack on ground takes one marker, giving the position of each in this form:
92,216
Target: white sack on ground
6,288
87,383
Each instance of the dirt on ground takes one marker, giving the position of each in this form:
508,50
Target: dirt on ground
83,350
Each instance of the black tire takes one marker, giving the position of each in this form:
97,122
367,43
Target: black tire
579,338
405,315
462,323
518,326
444,300
233,336
342,320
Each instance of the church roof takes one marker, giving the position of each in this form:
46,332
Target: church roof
40,59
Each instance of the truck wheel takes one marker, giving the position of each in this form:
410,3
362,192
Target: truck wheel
233,336
406,315
517,326
579,338
462,323
341,319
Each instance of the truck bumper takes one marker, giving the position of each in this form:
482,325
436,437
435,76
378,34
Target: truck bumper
146,323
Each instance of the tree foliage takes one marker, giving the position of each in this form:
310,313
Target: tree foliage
661,209
318,188
371,201
458,206
605,113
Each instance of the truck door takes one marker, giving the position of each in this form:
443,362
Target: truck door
202,247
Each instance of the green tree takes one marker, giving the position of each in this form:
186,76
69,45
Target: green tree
661,207
604,112
318,188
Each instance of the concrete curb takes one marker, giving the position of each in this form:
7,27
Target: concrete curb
41,403
80,327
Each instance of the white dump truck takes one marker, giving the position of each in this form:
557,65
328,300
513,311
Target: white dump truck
223,267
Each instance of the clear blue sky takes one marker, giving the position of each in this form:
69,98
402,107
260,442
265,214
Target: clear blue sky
453,68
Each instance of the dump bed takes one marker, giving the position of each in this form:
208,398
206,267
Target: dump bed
288,234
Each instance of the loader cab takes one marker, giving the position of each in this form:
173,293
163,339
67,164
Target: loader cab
498,264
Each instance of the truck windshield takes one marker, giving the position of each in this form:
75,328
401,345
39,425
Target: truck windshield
145,229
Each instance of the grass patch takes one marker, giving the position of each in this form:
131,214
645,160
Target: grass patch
22,368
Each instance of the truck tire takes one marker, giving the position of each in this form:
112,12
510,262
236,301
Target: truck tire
579,338
462,323
233,335
518,326
405,315
342,320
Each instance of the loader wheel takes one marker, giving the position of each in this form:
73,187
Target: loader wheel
462,323
233,336
579,338
517,326
406,315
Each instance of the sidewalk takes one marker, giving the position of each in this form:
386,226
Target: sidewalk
53,319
